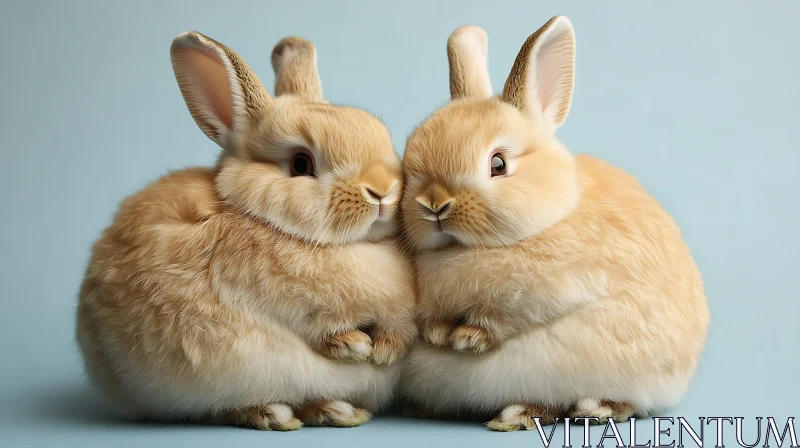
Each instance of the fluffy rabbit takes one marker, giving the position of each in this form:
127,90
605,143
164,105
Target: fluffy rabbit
264,292
548,284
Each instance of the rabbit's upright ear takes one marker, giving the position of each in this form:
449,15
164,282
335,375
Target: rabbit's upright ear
223,95
467,52
542,79
294,60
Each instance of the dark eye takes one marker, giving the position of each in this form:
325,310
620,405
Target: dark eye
302,165
499,166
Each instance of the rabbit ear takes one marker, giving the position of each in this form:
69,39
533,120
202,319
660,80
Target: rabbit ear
223,95
467,51
542,79
294,60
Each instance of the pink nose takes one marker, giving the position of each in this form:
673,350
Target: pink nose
438,210
374,194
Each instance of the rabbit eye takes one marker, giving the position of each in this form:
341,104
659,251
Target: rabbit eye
498,165
302,165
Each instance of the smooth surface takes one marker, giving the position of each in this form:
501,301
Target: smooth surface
698,100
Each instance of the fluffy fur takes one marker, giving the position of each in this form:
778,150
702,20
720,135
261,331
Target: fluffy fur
244,295
559,288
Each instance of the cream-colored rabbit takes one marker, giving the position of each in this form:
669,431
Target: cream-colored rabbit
264,290
549,285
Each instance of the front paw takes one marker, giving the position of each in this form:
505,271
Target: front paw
471,338
388,347
351,346
436,332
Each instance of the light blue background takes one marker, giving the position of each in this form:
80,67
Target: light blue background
698,99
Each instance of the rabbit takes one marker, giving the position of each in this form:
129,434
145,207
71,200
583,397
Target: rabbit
268,291
548,285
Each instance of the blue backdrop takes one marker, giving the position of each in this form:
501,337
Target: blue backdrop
697,99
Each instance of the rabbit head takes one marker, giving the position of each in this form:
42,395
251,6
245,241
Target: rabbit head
488,171
324,173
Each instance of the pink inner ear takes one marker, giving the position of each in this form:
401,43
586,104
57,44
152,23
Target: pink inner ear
547,76
210,77
554,67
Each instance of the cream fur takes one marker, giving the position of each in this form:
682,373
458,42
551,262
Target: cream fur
241,294
578,311
557,286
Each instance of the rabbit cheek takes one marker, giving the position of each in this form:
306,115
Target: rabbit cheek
350,214
469,221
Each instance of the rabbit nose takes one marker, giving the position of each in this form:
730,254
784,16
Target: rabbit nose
436,210
372,194
376,196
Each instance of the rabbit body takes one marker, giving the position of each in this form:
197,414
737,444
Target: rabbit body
189,307
608,304
549,285
267,291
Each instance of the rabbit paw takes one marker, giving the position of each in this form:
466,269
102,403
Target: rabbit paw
602,411
333,413
351,345
521,416
471,338
436,332
388,348
270,417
